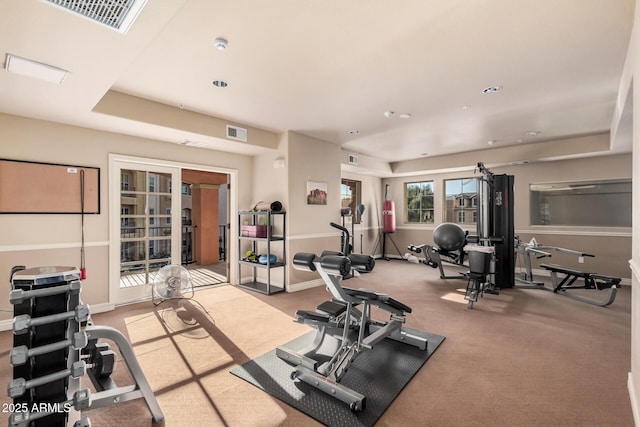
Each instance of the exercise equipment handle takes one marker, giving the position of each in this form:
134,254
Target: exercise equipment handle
339,227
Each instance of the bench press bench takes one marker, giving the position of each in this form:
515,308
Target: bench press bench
591,281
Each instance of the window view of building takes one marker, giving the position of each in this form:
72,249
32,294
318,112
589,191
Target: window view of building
461,200
145,227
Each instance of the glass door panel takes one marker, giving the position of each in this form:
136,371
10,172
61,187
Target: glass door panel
146,228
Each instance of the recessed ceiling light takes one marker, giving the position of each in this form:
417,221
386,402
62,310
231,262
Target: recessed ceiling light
492,89
466,107
219,83
354,132
388,114
37,70
491,141
424,154
405,115
533,133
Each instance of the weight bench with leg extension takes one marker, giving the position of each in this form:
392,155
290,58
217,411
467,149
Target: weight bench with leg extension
348,314
563,285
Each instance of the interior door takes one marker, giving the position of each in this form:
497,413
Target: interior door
145,230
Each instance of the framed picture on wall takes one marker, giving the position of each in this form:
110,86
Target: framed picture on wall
316,193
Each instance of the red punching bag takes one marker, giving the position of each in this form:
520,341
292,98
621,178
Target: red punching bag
388,216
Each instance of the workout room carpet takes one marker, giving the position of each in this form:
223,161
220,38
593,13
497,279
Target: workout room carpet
380,374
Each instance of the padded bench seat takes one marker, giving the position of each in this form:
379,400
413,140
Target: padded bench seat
378,299
312,315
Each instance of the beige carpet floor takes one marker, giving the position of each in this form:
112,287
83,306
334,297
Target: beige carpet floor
522,358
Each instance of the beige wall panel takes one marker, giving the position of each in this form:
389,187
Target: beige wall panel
314,160
95,289
41,141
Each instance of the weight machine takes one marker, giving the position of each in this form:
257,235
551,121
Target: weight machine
496,223
564,279
347,317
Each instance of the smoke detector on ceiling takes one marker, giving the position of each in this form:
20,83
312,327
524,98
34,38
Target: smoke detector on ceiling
115,14
220,44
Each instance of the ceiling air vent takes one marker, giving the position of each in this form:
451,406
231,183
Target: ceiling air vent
234,132
353,160
116,14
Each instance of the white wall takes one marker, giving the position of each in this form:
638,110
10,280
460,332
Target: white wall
631,72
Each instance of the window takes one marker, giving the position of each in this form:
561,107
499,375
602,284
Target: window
419,202
460,200
588,203
350,197
124,181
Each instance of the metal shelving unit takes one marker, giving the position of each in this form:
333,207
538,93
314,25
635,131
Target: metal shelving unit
257,243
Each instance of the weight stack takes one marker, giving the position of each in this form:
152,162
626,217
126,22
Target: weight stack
503,226
50,333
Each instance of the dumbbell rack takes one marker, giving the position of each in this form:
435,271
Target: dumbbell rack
53,349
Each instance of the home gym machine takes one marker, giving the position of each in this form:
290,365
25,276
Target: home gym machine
347,317
53,348
493,268
565,284
496,223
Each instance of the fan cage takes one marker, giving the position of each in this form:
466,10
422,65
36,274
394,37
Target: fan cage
172,281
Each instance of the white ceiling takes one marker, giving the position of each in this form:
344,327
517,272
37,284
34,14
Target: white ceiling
325,67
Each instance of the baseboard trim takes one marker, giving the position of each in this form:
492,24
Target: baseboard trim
101,308
633,396
305,285
7,324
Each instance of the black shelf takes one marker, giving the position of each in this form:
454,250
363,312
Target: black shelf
259,245
262,287
262,239
258,265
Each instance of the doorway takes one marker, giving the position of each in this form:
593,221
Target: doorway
164,213
204,211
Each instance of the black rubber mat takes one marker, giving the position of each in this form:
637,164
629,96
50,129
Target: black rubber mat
380,374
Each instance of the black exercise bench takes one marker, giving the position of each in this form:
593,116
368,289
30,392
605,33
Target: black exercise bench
591,281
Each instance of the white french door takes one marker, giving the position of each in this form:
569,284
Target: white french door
145,219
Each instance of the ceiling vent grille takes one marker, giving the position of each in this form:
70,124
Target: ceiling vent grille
353,159
116,14
237,133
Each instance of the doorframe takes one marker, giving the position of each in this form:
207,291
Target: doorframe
114,217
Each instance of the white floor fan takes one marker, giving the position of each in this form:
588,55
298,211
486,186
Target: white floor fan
171,282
